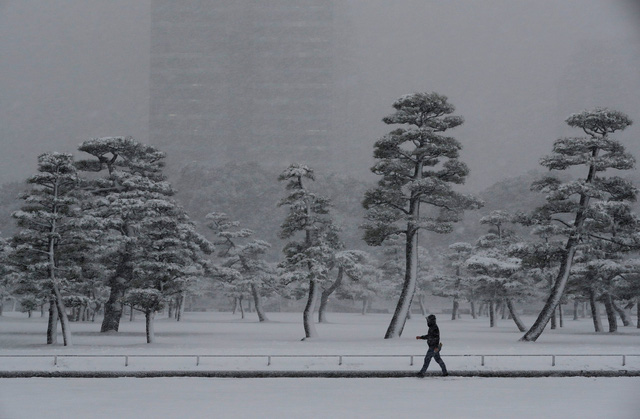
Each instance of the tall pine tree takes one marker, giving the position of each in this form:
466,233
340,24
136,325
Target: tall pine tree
418,165
572,205
313,238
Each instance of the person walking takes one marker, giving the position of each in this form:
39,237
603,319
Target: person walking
433,343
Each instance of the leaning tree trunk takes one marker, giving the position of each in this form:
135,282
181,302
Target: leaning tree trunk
514,316
595,315
148,317
257,301
307,314
52,326
623,314
408,288
556,294
611,313
62,314
324,298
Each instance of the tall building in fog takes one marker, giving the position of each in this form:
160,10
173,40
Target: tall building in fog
243,80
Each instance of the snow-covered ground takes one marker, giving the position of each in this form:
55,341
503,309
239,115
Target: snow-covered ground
452,397
215,333
346,334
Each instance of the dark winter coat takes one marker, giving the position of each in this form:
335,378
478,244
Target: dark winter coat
433,334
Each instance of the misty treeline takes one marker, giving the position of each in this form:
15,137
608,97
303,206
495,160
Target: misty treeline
106,231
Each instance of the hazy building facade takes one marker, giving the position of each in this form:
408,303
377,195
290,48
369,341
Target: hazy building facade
243,80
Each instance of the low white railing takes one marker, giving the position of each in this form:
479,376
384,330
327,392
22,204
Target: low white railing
339,358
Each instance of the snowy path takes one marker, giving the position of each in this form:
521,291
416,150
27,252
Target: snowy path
452,397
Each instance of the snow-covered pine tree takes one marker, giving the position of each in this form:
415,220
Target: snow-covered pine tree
168,259
5,271
571,204
309,258
458,285
418,165
370,285
50,220
244,268
351,263
496,271
132,177
606,257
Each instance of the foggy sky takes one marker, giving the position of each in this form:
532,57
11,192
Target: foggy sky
75,69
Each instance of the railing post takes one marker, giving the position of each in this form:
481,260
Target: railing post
197,361
411,360
553,360
624,360
268,361
482,364
126,361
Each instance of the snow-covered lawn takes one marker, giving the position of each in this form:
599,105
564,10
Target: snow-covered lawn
584,398
216,333
347,334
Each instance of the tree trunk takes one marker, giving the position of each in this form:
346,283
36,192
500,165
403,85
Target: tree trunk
560,316
180,307
62,314
638,313
554,324
515,317
324,298
241,308
623,314
170,308
575,309
1,305
595,315
52,326
307,315
257,302
423,308
235,305
492,314
473,309
41,310
408,288
611,313
364,306
131,314
148,317
556,294
454,310
113,308
503,310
